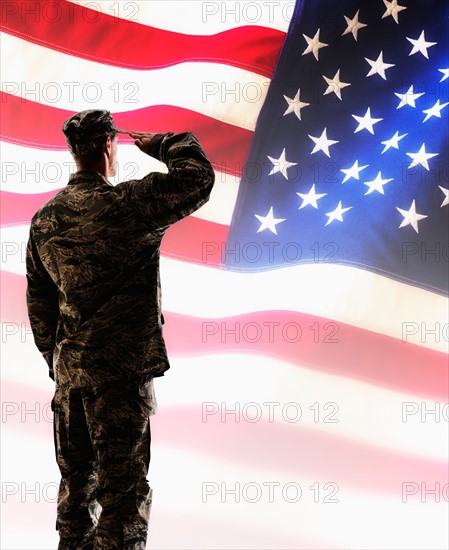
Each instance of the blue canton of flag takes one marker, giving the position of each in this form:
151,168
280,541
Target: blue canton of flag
349,161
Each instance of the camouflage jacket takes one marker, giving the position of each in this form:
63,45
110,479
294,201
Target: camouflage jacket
93,294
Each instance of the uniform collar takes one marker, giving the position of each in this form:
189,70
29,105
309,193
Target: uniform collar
88,176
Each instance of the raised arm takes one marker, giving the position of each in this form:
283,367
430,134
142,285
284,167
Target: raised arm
163,199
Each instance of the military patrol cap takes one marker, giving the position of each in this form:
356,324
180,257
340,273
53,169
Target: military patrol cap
86,131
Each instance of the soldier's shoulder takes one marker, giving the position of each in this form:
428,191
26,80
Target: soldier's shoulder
47,214
126,187
125,184
49,204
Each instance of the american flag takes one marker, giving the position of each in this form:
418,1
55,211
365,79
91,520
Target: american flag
350,157
306,315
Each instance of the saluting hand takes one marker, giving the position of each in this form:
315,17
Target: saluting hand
142,139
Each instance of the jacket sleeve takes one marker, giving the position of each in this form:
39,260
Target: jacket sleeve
163,199
42,303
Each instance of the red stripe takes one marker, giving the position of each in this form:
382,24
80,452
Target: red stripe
280,446
129,44
193,239
321,344
359,353
29,123
297,451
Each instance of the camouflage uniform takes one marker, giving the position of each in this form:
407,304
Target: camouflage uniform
94,303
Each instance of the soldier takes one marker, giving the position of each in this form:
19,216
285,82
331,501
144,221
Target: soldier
94,303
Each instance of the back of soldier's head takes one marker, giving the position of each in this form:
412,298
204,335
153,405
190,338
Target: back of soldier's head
86,133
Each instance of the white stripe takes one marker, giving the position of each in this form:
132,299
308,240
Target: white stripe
53,78
194,17
345,524
383,305
31,171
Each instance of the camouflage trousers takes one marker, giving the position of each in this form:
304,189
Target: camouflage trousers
102,444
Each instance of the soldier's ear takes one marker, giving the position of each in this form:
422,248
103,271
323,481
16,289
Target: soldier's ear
108,146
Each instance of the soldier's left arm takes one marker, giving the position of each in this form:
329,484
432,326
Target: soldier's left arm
42,303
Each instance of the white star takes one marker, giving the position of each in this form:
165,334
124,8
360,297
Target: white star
392,142
435,110
376,184
335,85
310,198
445,74
411,217
353,172
408,98
393,9
281,164
421,157
378,66
353,25
446,196
322,143
295,105
366,122
269,222
314,44
337,214
420,45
